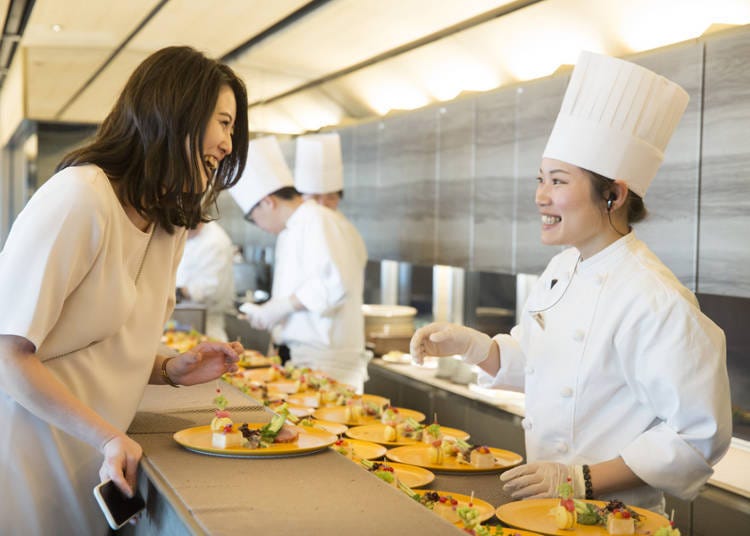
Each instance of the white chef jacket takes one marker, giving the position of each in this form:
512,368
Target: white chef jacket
207,272
616,359
68,284
318,261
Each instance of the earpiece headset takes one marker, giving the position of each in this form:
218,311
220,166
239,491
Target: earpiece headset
610,199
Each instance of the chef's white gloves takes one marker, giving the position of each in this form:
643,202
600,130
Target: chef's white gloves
542,479
441,339
269,314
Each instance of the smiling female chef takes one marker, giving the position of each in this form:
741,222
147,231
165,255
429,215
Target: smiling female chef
625,379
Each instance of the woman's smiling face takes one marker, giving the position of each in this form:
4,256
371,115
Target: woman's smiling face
217,138
569,213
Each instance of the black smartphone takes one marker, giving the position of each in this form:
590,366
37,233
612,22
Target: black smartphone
117,507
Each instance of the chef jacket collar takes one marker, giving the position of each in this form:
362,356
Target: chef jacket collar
609,257
296,217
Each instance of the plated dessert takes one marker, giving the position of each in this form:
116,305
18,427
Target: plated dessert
588,517
454,455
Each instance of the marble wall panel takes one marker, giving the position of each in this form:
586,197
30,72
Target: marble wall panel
348,160
494,185
417,226
455,171
365,153
724,246
408,147
538,105
671,228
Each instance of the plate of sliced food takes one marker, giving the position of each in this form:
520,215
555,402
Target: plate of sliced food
396,435
328,426
562,517
396,474
255,359
451,455
357,450
455,507
365,413
254,440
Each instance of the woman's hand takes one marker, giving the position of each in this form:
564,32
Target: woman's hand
206,362
442,339
121,457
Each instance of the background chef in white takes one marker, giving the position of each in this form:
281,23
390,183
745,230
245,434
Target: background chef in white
316,297
625,379
319,175
206,275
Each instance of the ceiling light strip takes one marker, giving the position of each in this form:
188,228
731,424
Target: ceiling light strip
450,30
111,57
273,29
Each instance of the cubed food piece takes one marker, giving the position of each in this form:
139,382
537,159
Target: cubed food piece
620,523
482,458
225,440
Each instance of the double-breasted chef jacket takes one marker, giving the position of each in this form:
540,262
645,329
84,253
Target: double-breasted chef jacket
616,359
317,262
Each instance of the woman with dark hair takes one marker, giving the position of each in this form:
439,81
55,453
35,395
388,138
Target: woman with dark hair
625,378
87,279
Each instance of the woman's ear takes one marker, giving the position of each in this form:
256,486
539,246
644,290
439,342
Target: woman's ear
618,194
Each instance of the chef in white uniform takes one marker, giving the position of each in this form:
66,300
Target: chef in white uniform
319,175
206,275
625,378
316,299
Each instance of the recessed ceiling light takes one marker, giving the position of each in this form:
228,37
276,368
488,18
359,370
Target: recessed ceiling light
57,28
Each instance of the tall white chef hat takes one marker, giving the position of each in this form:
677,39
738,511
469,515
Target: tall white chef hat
318,168
265,172
616,120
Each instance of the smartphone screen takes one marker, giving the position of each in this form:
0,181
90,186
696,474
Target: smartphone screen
117,507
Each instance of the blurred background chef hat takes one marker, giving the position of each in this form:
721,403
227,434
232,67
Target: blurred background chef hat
616,120
265,172
318,168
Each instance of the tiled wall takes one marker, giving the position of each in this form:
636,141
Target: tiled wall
454,184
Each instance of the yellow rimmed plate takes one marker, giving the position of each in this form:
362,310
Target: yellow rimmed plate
484,509
376,434
338,414
411,475
534,515
364,450
198,439
419,455
328,426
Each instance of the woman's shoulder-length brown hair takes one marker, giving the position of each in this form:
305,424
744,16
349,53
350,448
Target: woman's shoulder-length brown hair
146,145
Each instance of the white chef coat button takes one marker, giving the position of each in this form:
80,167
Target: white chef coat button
529,370
562,448
566,392
526,424
599,279
578,335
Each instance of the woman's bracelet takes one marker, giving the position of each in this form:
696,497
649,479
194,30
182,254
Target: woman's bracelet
164,375
587,482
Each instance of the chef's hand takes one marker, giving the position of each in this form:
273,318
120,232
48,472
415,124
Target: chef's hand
121,457
442,339
205,362
542,479
269,314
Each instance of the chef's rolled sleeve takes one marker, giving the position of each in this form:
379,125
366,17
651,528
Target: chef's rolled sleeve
512,364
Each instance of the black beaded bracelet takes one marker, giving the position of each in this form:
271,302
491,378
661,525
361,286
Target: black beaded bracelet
587,482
